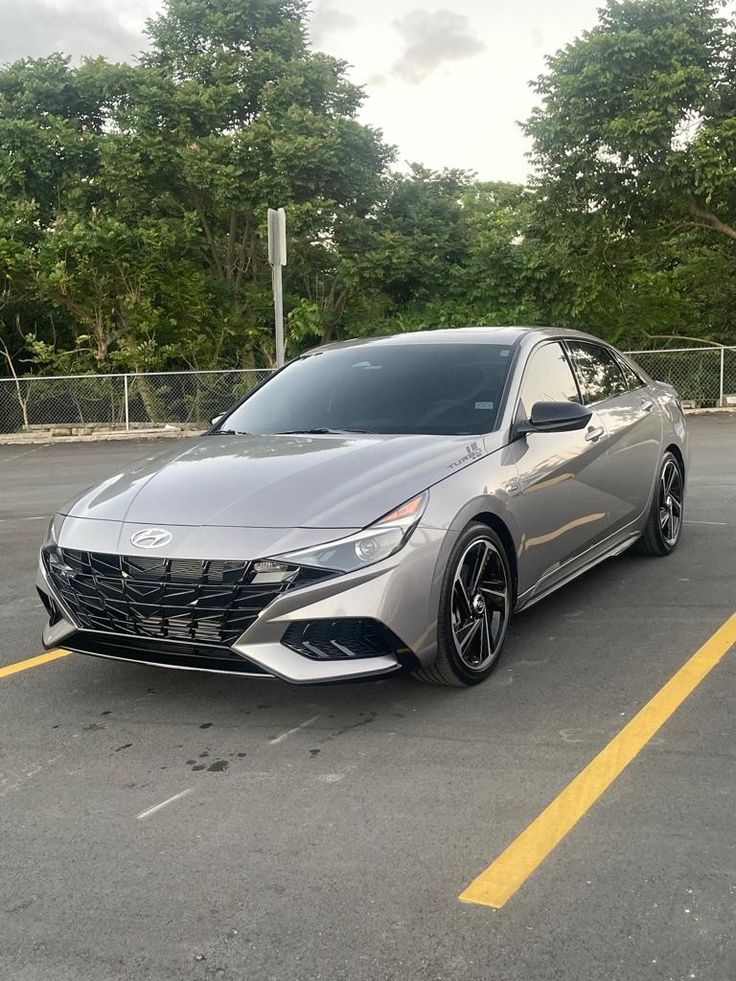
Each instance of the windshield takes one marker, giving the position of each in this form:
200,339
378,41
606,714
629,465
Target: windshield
442,389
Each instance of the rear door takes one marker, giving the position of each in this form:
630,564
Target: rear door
561,503
632,422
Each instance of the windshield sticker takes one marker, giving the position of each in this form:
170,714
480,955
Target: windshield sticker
484,405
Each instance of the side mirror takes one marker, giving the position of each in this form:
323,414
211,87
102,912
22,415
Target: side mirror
555,417
218,419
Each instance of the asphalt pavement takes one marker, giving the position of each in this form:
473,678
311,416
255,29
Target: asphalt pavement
326,833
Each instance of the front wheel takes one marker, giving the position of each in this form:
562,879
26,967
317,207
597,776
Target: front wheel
474,612
664,525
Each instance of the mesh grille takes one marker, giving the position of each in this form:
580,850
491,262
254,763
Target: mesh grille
207,602
344,639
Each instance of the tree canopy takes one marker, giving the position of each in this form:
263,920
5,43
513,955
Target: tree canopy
635,148
133,197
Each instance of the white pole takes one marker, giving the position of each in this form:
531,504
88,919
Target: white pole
723,360
277,258
278,305
127,404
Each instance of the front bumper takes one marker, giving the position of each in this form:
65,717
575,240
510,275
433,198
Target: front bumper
400,594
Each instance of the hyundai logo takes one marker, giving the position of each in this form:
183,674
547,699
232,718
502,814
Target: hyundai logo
151,538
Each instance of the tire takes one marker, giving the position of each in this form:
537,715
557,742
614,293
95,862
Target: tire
472,622
664,524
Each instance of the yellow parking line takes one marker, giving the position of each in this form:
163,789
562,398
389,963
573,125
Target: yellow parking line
32,662
524,855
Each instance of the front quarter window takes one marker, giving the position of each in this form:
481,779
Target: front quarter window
548,378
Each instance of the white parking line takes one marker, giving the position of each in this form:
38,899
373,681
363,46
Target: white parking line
23,455
291,732
165,803
40,517
689,521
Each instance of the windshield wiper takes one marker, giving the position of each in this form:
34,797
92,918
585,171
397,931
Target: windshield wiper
322,432
229,432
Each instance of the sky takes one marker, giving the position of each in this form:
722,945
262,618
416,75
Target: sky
446,81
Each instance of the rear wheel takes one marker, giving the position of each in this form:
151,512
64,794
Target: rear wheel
664,525
474,612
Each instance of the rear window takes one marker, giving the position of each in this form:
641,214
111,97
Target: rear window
598,371
442,389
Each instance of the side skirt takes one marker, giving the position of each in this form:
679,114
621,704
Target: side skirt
540,591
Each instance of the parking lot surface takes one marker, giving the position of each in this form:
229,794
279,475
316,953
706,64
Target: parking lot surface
326,832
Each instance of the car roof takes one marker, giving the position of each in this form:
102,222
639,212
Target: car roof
510,336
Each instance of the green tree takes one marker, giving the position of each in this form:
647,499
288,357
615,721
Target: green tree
635,146
133,198
439,250
246,117
46,152
498,280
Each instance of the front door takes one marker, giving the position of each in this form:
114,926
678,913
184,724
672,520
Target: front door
562,502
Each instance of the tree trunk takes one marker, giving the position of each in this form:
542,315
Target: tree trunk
22,402
150,398
706,219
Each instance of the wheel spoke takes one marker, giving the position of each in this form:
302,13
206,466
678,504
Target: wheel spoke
462,593
488,633
481,563
495,598
493,591
470,630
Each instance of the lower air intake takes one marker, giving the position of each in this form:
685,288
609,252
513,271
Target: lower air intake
344,639
164,653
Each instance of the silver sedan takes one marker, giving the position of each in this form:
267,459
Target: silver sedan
377,505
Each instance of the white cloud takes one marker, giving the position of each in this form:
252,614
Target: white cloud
432,38
34,28
327,19
446,85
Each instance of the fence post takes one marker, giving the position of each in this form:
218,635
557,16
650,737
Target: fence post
721,391
127,404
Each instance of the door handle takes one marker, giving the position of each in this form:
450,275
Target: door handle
646,405
594,433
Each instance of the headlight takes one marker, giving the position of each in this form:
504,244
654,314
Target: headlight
373,544
52,534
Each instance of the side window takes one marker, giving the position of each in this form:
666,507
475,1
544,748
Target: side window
598,371
632,379
548,378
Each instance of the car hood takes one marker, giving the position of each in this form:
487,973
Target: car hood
330,481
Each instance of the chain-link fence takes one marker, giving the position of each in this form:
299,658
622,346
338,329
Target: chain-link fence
704,377
189,399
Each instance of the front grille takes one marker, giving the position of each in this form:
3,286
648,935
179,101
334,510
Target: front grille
206,602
